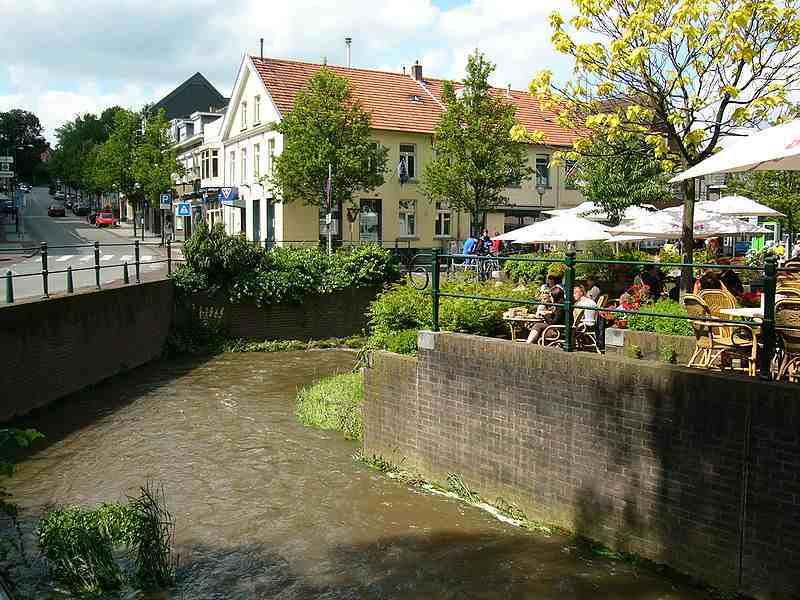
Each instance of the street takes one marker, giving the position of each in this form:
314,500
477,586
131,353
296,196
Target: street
62,235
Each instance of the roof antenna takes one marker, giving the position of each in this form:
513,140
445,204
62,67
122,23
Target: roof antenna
262,48
404,69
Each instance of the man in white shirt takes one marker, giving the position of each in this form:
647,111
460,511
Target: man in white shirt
583,302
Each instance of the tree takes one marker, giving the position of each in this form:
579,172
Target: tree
475,156
21,137
777,189
685,73
326,126
155,158
622,174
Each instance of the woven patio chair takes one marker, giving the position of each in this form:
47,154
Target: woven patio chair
585,338
787,314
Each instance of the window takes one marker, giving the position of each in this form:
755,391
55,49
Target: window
408,152
256,160
408,218
232,168
205,163
243,173
373,159
256,110
215,163
543,170
444,220
244,115
271,155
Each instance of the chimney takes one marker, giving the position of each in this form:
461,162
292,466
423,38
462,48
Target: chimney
508,91
347,42
416,71
404,69
262,48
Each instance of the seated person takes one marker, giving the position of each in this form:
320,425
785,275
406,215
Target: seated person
709,280
497,245
586,304
730,279
553,281
651,277
591,289
556,317
542,311
469,245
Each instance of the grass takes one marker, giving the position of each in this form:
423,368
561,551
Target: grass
334,403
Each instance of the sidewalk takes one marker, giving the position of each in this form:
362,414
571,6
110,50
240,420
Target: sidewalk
14,246
125,231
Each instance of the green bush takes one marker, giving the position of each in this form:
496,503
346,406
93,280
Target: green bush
533,272
246,272
334,403
660,325
401,307
400,342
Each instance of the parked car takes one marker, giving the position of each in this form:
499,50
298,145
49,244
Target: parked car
81,209
56,210
68,203
59,195
105,219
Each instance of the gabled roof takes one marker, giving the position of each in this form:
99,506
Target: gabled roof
194,94
397,102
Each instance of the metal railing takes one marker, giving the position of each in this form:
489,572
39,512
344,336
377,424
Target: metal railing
767,324
69,272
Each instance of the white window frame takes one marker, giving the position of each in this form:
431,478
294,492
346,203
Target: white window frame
205,164
407,208
256,110
546,181
271,155
214,163
256,161
413,155
243,154
243,110
232,168
443,210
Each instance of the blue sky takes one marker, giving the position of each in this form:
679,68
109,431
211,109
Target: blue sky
65,58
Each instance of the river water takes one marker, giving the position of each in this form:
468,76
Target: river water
266,508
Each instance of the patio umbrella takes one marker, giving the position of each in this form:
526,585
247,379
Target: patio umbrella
563,228
594,212
739,206
667,225
773,149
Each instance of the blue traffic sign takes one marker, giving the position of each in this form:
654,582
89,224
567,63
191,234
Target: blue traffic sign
228,194
184,209
166,201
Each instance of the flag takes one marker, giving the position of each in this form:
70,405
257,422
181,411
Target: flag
328,189
402,170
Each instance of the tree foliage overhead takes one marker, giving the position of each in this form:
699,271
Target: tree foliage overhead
326,126
21,137
684,73
155,159
616,176
475,158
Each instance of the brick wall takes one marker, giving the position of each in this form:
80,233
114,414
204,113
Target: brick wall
51,348
318,316
645,457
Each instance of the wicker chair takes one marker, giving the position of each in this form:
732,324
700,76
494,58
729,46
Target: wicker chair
715,343
585,338
787,314
602,300
789,291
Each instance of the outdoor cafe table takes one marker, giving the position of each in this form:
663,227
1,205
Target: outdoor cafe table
754,314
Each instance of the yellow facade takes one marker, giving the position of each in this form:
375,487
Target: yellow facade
298,222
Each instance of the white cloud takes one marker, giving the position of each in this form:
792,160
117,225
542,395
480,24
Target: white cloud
64,58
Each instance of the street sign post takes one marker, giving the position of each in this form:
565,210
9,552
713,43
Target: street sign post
165,200
228,195
184,209
165,203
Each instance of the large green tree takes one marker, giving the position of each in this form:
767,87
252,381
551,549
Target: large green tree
21,137
155,158
326,126
620,174
777,189
475,157
684,72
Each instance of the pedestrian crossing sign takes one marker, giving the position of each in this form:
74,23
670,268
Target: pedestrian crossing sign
184,209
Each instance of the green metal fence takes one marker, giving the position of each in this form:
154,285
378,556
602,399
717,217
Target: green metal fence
769,272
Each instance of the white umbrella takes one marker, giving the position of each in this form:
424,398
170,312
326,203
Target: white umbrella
739,206
667,225
563,228
773,149
595,212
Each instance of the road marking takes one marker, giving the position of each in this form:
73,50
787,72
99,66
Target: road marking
64,258
146,258
86,258
106,257
126,257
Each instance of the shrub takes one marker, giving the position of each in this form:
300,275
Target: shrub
401,307
245,272
531,272
400,342
661,325
334,403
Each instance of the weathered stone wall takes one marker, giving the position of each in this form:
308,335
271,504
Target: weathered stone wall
317,316
693,469
51,348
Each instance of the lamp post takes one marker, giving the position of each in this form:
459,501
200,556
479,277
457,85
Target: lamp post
540,189
136,186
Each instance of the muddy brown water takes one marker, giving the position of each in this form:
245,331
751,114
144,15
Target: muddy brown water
266,508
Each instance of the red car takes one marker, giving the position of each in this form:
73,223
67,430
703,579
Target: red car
56,211
105,219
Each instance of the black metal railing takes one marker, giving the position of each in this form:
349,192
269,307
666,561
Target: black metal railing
770,272
69,272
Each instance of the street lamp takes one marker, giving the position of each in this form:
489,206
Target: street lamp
540,189
137,186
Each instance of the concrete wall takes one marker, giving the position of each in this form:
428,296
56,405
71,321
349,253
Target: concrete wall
696,470
54,347
339,314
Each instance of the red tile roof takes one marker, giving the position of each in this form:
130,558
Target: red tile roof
397,102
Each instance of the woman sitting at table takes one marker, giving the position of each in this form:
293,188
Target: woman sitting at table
554,317
543,310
